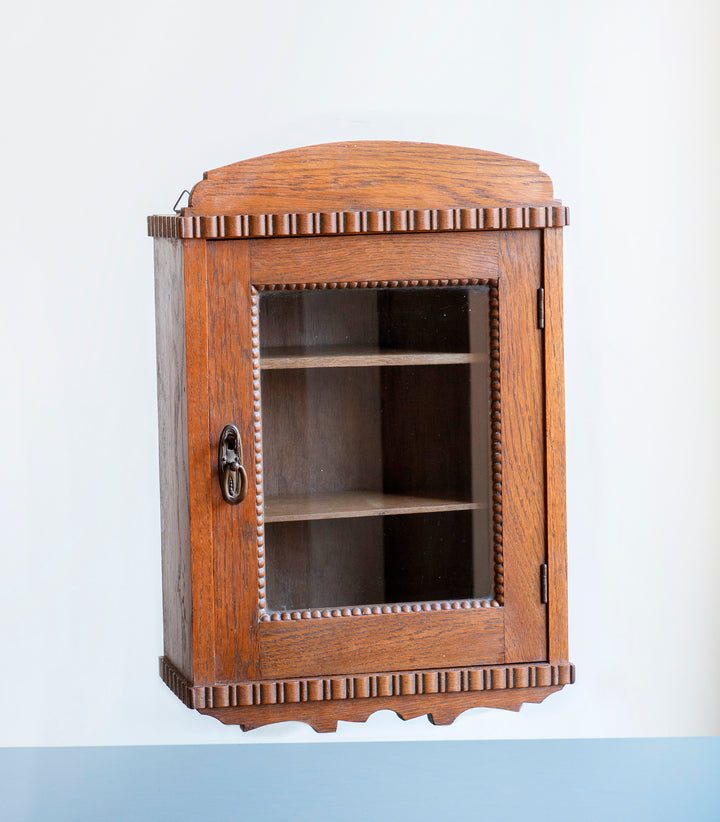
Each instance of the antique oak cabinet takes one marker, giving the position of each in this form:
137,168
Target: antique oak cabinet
360,382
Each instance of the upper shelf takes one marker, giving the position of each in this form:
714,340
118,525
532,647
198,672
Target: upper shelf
344,356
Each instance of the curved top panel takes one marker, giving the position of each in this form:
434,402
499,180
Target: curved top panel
363,176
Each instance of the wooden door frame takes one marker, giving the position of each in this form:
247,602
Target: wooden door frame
250,645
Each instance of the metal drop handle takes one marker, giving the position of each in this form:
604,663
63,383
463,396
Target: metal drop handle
232,475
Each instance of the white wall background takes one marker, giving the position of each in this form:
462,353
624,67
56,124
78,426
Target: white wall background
111,109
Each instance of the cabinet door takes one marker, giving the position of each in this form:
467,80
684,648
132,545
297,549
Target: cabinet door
389,396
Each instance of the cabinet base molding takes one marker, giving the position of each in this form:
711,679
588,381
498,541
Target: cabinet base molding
442,694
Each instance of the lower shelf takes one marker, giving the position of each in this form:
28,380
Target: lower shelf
334,356
304,507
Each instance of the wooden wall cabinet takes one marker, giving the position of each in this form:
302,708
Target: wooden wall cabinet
382,324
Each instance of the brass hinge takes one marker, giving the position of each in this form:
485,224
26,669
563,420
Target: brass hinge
543,583
541,307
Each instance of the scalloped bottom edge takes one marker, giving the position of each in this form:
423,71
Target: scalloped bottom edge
441,709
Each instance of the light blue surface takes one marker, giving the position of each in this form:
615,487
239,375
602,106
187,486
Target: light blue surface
587,780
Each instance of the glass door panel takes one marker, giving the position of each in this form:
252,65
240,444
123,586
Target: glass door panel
376,445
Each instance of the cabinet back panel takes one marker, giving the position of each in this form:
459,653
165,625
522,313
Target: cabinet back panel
426,430
324,563
429,557
423,319
301,318
347,562
321,430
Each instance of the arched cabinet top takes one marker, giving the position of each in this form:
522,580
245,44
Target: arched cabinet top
366,187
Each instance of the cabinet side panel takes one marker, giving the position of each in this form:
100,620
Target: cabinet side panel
173,442
555,387
523,446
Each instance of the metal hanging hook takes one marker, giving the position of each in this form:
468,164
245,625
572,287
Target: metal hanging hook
182,194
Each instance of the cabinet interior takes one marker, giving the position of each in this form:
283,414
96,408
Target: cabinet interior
375,436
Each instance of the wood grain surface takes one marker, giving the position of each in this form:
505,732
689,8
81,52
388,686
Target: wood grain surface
321,702
523,446
358,504
367,686
364,175
173,443
357,644
200,447
342,356
354,260
323,564
321,431
235,557
318,224
555,445
441,709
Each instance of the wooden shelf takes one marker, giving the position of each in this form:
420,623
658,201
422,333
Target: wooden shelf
303,507
344,356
